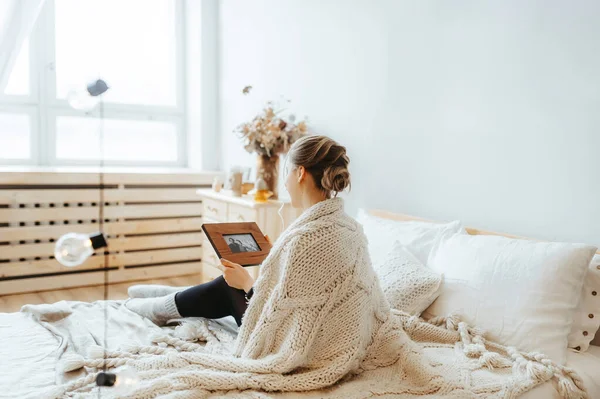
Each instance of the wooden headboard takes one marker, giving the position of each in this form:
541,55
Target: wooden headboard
471,230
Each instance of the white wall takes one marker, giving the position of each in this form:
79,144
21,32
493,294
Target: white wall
486,111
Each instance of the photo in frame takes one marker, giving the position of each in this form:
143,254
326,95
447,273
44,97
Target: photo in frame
241,243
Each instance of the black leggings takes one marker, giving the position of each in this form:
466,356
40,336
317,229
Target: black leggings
213,300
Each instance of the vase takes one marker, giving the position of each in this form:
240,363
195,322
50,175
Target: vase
267,167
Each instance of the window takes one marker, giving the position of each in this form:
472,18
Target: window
18,82
15,141
136,46
137,52
134,140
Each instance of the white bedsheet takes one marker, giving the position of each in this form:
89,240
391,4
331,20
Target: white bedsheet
22,361
587,364
28,360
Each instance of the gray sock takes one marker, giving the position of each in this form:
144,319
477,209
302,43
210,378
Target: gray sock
152,290
158,310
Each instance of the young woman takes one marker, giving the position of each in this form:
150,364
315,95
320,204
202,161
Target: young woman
317,312
316,171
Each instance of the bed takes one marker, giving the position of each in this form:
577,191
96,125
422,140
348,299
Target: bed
30,347
28,362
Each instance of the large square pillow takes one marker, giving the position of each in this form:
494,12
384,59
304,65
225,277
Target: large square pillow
587,315
418,237
407,283
523,293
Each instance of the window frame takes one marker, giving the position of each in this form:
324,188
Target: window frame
31,111
44,107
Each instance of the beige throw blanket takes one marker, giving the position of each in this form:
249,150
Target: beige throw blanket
319,321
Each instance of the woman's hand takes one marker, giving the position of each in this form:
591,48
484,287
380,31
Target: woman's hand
236,276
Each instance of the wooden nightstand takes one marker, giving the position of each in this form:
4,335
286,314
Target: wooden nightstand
224,207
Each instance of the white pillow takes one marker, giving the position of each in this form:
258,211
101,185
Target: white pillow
585,327
418,237
523,293
407,284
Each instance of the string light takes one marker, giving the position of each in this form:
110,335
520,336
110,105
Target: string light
72,249
121,383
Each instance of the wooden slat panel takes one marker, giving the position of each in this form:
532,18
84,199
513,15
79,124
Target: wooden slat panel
26,250
159,256
161,210
156,241
27,268
95,278
18,251
155,194
47,232
86,176
168,194
15,215
33,176
33,196
111,228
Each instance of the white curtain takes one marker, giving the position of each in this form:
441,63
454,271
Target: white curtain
17,18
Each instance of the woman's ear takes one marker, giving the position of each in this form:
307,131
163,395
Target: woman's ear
301,172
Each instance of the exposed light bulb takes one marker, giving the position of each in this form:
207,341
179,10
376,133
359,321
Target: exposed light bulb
86,98
122,381
72,249
126,380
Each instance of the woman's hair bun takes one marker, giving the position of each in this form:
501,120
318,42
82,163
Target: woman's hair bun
325,160
335,178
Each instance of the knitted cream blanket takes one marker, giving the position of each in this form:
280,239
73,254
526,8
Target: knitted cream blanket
318,320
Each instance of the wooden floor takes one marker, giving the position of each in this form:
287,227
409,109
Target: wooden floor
12,303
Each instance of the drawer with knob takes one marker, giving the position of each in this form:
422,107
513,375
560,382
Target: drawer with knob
215,210
239,214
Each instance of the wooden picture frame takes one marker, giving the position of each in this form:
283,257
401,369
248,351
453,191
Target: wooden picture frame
241,243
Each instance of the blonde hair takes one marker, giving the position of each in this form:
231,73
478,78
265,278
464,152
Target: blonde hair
325,160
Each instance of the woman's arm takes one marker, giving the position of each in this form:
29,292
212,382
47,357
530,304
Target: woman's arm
237,276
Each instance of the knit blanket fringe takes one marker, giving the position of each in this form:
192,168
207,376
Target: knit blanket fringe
537,367
172,366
